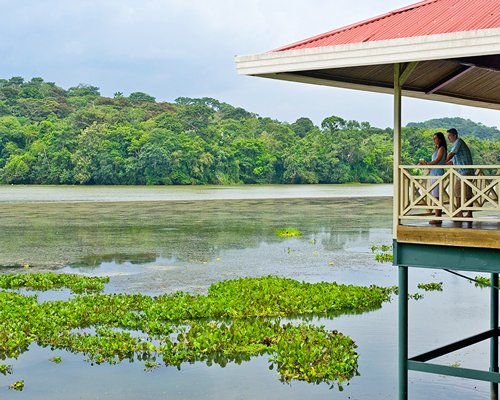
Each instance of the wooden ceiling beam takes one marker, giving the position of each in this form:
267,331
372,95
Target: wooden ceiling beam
406,72
449,78
491,63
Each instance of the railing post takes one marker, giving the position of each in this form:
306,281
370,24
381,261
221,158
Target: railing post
403,192
452,192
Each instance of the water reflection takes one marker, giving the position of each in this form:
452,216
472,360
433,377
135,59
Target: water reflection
96,261
78,234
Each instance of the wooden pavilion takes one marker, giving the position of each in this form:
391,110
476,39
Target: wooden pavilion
442,50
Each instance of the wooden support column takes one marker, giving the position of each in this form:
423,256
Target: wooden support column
397,148
400,76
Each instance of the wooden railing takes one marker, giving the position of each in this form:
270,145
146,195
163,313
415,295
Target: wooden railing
417,202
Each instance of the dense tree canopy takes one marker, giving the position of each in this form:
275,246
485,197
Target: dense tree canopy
463,126
49,135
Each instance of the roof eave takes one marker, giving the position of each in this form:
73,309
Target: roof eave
378,89
418,48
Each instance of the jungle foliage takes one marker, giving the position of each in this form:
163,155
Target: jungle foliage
461,125
49,135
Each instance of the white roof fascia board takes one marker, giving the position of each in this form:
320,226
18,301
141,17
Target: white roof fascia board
377,89
420,48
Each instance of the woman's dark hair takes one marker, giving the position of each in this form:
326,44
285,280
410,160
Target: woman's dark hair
442,140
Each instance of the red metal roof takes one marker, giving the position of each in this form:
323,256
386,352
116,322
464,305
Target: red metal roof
427,17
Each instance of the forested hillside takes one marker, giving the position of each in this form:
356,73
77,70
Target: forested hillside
463,126
49,135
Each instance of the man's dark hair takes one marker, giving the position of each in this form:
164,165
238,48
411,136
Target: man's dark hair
453,131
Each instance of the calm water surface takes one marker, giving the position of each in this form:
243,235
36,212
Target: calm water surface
156,240
38,193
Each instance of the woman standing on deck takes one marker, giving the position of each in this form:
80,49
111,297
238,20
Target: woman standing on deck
438,158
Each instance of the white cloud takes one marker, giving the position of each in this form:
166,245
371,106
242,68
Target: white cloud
172,48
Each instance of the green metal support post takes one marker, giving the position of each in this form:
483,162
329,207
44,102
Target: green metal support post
494,338
403,332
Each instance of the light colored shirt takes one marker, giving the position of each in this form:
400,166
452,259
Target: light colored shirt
462,156
438,171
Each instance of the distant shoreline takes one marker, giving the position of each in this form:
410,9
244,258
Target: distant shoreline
111,193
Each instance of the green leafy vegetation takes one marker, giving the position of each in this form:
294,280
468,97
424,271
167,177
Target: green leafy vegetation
432,286
50,281
482,281
383,247
462,125
288,232
19,385
414,296
150,365
49,135
56,359
5,369
383,253
384,257
237,319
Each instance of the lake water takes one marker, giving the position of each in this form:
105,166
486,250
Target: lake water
163,239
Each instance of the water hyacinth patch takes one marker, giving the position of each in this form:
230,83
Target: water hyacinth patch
482,281
236,320
429,287
51,281
288,232
19,385
382,253
5,369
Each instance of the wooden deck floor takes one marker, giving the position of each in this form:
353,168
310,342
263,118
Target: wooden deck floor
463,234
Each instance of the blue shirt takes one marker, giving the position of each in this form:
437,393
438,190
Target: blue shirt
462,156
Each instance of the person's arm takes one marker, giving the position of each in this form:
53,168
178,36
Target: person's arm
438,157
454,150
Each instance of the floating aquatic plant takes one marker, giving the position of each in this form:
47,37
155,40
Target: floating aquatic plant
383,253
433,286
19,385
237,319
288,232
5,369
50,280
482,281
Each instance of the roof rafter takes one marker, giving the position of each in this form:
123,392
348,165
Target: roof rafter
491,62
462,70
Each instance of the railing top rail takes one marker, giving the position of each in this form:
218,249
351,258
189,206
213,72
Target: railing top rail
452,166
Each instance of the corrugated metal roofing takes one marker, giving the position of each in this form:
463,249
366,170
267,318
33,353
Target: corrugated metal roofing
425,18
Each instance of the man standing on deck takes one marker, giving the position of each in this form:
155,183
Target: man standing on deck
461,155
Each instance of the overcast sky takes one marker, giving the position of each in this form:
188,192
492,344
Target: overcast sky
174,48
